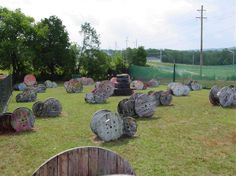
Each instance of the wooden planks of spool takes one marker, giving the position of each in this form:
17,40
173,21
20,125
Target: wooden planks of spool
90,161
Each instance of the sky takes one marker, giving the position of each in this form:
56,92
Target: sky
150,23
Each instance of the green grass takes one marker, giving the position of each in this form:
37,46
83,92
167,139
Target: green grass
192,137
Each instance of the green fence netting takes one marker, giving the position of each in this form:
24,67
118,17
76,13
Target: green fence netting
183,73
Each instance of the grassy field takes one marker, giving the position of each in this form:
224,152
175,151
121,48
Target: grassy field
191,137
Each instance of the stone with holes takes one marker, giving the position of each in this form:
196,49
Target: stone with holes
156,96
22,86
106,87
145,105
22,119
130,126
107,125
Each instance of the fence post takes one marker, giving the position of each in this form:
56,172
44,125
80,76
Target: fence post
174,73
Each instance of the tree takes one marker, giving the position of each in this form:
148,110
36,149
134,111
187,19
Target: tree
90,37
92,62
16,33
95,64
118,64
136,56
52,47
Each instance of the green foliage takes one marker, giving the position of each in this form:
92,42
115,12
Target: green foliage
210,57
118,64
16,33
136,56
94,63
53,55
90,37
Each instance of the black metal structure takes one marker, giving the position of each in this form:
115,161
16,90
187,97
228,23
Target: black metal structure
5,92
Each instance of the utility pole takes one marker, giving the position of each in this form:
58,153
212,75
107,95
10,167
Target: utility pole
201,43
126,42
193,57
115,45
160,55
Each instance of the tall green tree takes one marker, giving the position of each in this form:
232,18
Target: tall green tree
92,62
90,37
136,56
52,47
16,34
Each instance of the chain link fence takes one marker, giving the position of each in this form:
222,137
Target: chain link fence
5,92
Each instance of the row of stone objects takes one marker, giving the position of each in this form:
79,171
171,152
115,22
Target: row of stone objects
226,96
101,93
109,126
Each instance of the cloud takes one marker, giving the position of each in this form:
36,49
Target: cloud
154,23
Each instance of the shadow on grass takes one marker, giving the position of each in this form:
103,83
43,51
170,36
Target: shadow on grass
124,140
153,118
14,133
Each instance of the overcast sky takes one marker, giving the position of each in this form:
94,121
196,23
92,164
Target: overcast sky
153,23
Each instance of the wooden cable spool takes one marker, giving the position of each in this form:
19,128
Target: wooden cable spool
38,109
51,107
144,105
89,98
226,95
96,117
106,87
73,86
157,96
107,125
153,83
22,119
126,107
213,98
28,95
30,80
165,98
41,88
195,86
130,126
22,86
138,85
5,122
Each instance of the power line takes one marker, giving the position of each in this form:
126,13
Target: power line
201,42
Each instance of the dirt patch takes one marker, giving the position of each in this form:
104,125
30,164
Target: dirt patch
227,140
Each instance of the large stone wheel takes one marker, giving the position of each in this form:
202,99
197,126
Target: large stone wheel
165,98
130,126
